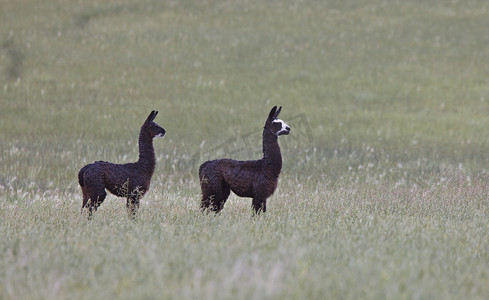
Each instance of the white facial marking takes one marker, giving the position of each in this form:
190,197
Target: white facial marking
284,126
160,135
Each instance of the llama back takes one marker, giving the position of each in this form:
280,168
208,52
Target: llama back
214,166
81,174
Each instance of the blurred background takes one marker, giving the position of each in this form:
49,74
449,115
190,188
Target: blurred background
392,92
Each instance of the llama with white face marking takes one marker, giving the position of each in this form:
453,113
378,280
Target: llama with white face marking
255,179
130,180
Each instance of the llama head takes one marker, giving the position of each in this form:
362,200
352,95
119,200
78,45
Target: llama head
276,126
152,128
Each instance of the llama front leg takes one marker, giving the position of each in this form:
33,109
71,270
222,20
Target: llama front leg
133,200
91,209
132,206
259,204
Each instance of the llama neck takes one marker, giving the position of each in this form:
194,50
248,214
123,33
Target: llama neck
271,151
146,151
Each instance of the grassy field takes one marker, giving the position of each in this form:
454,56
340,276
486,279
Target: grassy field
384,188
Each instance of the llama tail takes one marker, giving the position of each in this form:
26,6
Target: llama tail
202,166
81,181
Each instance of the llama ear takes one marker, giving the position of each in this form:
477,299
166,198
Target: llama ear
152,116
155,112
277,112
271,115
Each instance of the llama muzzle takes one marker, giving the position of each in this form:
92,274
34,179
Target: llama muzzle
284,131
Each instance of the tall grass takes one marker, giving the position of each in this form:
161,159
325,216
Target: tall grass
354,241
383,189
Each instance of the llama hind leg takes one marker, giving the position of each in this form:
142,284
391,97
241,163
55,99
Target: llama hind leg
205,202
95,200
93,188
215,198
209,201
85,198
259,204
209,193
96,193
214,190
225,191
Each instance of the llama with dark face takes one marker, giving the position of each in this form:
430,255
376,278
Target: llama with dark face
255,179
130,180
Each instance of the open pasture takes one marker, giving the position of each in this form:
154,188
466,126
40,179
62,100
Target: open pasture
384,185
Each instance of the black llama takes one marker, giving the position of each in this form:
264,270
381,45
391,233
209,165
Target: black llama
130,180
255,179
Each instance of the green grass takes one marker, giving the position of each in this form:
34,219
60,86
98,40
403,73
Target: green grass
383,192
348,242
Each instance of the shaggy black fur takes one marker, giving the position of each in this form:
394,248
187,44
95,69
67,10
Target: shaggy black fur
130,180
255,179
